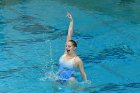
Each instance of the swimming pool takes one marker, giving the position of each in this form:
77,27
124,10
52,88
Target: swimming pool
32,38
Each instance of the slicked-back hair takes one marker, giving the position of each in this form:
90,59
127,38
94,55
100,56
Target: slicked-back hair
73,42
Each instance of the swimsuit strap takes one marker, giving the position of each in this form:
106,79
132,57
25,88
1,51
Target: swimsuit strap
74,57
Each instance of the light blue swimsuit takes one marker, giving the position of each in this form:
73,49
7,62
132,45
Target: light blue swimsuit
66,68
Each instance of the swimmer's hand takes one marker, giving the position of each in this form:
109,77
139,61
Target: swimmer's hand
69,16
87,82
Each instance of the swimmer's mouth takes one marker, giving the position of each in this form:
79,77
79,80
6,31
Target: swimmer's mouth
68,50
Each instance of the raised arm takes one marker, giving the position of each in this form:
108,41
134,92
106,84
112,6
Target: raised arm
70,29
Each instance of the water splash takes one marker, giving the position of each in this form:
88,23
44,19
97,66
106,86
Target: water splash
51,59
49,76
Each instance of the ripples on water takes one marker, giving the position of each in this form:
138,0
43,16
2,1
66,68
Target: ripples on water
26,23
117,52
127,10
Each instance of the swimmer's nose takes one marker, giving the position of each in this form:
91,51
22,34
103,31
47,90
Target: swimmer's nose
67,48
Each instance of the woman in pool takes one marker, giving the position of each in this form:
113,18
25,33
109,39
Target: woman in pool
69,61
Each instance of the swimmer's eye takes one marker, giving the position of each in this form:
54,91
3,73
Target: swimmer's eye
68,46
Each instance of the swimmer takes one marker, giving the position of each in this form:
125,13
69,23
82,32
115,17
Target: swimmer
69,61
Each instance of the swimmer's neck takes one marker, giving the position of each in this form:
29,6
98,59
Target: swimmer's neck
71,55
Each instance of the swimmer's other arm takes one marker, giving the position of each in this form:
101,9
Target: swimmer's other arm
81,67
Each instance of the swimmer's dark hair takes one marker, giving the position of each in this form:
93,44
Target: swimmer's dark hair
74,43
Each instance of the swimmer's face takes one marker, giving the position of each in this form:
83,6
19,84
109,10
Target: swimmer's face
70,48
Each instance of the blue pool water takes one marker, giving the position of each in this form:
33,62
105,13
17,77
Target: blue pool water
32,38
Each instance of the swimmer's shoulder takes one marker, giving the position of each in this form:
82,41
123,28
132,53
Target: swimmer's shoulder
78,60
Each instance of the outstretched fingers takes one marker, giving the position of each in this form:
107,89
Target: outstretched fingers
69,16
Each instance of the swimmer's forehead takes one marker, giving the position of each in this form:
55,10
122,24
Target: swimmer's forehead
69,43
